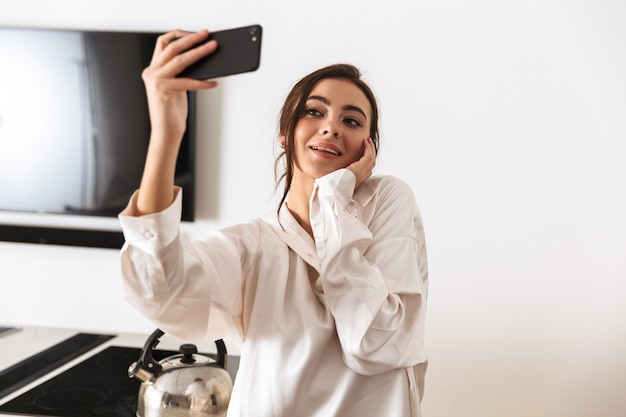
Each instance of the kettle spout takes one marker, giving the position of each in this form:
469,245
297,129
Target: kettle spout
146,367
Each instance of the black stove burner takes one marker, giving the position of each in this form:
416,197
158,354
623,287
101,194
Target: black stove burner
70,399
98,386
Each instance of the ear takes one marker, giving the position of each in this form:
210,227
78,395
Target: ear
283,141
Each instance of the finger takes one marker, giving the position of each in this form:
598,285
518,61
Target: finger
181,44
190,84
164,40
187,40
365,144
179,62
371,153
368,148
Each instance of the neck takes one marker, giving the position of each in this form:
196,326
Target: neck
299,196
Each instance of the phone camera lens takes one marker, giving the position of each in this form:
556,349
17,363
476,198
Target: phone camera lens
253,32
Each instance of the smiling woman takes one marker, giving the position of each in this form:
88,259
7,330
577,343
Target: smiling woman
332,126
330,135
334,107
327,297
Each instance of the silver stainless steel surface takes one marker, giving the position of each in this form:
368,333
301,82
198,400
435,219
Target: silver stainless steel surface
184,384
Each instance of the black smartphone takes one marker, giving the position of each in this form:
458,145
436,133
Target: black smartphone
238,51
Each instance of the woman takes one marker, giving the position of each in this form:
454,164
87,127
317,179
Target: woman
327,297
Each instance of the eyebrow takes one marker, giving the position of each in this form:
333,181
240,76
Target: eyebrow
346,107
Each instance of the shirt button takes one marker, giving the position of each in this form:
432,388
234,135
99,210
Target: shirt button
352,210
148,234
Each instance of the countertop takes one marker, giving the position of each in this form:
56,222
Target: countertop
23,342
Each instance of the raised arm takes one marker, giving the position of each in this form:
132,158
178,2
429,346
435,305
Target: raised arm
167,103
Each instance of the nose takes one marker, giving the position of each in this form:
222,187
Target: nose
330,128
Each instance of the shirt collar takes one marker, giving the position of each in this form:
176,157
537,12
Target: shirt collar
294,236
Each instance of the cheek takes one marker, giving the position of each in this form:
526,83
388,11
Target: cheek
355,150
300,134
299,143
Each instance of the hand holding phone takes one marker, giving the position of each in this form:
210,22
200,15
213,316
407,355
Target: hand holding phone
238,51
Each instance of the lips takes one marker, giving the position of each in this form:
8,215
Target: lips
327,148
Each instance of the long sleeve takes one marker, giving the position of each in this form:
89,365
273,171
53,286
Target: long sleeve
186,290
374,272
302,343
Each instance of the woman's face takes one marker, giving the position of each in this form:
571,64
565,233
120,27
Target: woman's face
330,135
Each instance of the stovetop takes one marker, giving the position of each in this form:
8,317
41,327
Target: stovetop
53,372
98,386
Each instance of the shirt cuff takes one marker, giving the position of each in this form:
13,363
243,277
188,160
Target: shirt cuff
339,183
151,232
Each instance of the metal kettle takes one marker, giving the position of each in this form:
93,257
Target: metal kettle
187,384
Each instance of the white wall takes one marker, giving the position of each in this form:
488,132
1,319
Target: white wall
508,120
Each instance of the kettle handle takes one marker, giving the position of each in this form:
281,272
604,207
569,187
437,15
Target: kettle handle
221,353
146,361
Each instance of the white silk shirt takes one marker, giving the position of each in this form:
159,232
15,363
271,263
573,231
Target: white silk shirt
327,327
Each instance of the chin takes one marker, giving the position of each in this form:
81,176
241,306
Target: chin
316,172
328,171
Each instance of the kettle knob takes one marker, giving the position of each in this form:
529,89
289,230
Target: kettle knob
188,350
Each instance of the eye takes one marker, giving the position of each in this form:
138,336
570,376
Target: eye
350,121
313,112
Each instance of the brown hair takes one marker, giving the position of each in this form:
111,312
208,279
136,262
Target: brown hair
294,108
